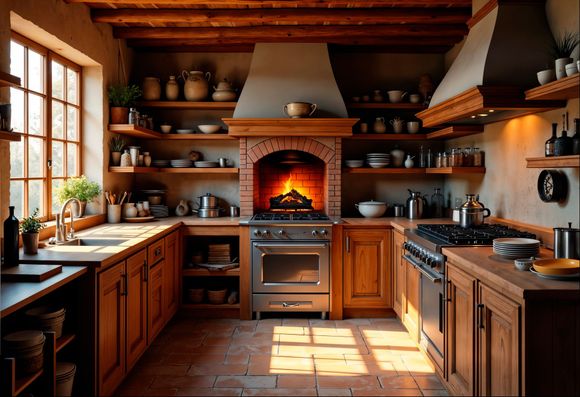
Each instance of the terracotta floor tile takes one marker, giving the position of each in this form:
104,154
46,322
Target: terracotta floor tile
136,380
296,322
296,381
397,382
222,391
176,370
242,358
324,391
429,382
170,381
385,392
147,392
249,382
217,341
218,369
279,392
252,349
208,358
289,330
347,381
435,392
274,365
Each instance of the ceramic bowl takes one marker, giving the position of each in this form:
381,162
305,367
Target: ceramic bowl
371,209
415,98
523,264
299,109
209,128
354,163
165,128
571,69
413,127
546,76
396,96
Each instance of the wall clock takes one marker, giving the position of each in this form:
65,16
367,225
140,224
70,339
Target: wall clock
552,186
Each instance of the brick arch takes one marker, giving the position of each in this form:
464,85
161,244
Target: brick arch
303,144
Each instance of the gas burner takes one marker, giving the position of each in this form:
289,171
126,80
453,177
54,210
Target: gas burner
483,235
290,217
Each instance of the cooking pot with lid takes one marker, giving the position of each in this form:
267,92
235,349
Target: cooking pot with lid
208,201
472,213
567,242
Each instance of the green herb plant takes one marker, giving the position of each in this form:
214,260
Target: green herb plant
31,224
123,96
80,188
116,143
565,44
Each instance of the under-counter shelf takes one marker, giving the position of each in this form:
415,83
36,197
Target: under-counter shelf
141,132
10,136
210,306
565,88
188,105
152,170
386,105
200,272
8,80
572,161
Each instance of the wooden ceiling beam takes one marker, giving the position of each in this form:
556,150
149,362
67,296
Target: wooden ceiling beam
288,33
286,3
284,16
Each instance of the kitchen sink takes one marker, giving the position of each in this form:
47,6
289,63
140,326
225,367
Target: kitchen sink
96,242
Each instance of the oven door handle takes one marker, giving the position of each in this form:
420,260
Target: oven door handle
292,245
434,278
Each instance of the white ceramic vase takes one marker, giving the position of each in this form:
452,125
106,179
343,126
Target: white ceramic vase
561,67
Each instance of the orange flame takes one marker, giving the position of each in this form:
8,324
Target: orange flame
288,185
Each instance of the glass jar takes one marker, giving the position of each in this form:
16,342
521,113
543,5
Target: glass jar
468,157
477,157
456,158
143,121
445,160
133,116
438,160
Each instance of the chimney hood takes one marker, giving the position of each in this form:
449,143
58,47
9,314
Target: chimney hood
507,44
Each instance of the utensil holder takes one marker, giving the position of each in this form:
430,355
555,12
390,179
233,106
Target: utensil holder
114,213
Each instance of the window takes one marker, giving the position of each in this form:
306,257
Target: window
46,110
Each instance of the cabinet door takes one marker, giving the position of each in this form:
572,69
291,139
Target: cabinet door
498,335
367,274
111,328
156,310
411,300
399,273
172,274
460,331
136,307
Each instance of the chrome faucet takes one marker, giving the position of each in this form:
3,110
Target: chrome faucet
61,236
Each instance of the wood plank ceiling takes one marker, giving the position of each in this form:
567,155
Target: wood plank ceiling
236,25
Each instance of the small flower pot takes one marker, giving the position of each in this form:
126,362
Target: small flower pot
79,212
30,243
116,158
121,115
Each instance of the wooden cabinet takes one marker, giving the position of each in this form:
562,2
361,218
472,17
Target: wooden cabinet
172,275
156,311
399,273
411,301
111,328
137,274
498,344
460,331
367,268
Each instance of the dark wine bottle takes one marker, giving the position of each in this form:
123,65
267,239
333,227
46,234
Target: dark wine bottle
563,144
11,256
549,145
576,137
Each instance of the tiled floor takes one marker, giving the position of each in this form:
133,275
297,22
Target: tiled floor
283,357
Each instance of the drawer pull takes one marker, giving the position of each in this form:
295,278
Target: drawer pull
157,251
294,304
145,271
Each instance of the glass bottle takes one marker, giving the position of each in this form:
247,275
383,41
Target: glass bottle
438,160
576,137
437,203
549,145
422,160
133,116
477,157
11,224
429,158
563,144
468,157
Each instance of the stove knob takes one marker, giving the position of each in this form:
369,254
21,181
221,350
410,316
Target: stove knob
257,233
324,233
315,233
266,233
281,232
406,246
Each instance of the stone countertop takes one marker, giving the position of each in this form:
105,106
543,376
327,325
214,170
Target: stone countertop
482,263
398,223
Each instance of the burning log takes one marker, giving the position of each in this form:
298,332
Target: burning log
291,200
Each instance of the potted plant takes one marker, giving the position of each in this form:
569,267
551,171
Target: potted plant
121,97
562,49
116,145
80,188
29,229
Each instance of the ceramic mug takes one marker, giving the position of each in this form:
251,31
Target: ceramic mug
396,96
415,98
364,128
397,124
413,126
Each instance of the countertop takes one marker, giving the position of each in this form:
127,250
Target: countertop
485,265
398,223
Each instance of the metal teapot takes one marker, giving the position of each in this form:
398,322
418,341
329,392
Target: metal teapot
416,205
472,212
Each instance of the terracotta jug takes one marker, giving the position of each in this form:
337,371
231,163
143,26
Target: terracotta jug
151,89
196,85
379,125
171,89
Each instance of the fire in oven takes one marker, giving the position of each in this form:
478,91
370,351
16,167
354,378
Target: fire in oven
290,268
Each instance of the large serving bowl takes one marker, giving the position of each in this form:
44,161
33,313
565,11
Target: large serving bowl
371,209
299,109
209,128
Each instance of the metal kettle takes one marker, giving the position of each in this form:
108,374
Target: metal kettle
415,205
472,212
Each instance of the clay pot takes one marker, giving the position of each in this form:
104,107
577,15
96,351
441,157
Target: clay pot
116,158
151,89
196,86
119,115
171,89
30,243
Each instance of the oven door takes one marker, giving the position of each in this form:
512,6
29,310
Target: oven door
296,267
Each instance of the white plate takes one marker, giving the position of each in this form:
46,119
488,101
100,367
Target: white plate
560,277
378,166
518,241
206,164
185,131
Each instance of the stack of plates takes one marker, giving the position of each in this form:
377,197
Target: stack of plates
514,248
159,211
185,131
206,164
378,160
160,163
181,163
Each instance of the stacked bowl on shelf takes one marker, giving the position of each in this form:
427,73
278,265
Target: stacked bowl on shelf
378,160
180,163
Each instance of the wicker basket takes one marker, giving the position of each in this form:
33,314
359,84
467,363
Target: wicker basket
217,297
195,295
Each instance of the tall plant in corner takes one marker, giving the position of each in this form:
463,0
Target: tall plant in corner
121,97
562,51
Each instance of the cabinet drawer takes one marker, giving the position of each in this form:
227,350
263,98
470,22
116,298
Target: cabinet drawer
156,252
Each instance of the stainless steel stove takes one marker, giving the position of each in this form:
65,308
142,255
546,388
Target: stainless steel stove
423,251
290,262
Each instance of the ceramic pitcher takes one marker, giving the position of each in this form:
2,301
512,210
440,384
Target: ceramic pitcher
196,85
379,125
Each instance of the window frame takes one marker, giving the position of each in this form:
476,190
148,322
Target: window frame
47,177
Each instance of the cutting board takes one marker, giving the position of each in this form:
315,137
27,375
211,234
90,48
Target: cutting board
30,273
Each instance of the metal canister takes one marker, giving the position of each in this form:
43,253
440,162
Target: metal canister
567,242
234,211
399,210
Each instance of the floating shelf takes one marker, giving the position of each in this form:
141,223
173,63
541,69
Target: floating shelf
152,170
189,105
388,137
455,170
455,131
386,105
8,80
565,88
10,136
198,272
140,132
384,170
284,127
554,162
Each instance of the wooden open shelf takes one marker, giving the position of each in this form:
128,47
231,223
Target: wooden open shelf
210,306
22,383
199,272
388,137
455,170
188,105
140,132
64,341
455,131
386,105
572,161
565,88
8,80
403,171
152,170
10,136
